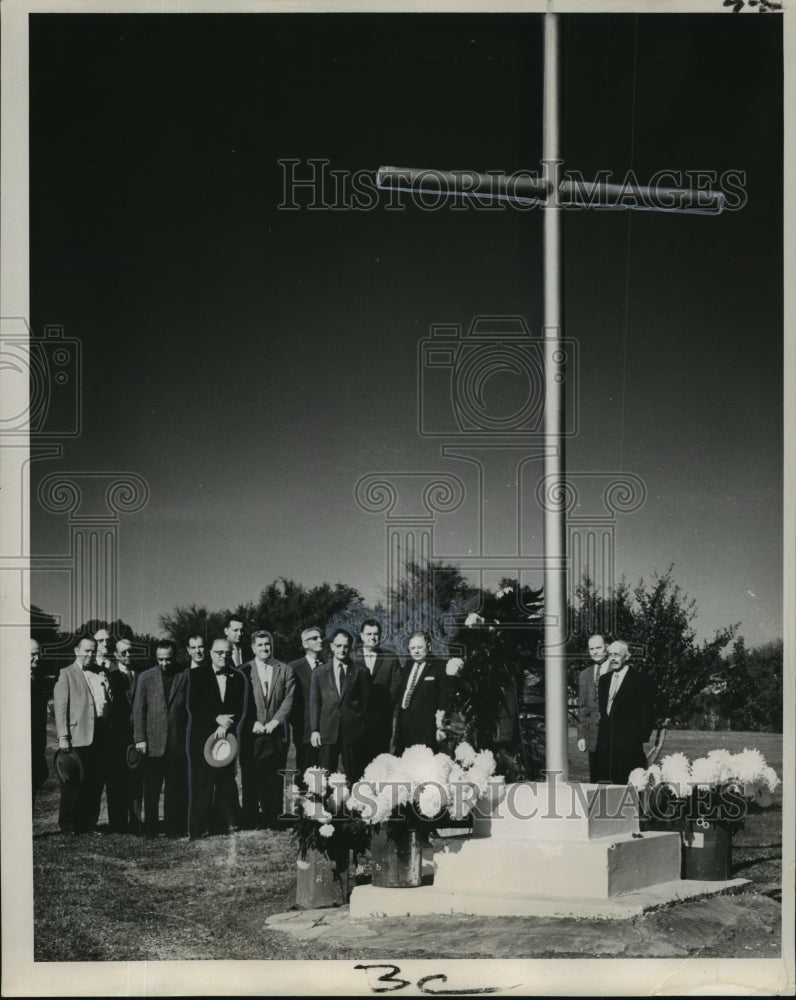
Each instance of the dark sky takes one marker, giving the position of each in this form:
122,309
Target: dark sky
253,363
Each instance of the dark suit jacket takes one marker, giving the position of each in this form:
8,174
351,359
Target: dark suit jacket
588,708
300,713
280,698
622,734
339,717
385,685
205,704
417,723
122,687
161,722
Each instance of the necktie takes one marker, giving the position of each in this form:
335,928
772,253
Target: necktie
340,678
410,688
613,689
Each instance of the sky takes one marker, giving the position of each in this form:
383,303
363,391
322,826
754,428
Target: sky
253,362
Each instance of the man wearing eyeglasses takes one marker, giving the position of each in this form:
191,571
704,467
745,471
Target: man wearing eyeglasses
339,698
123,786
216,695
303,669
160,724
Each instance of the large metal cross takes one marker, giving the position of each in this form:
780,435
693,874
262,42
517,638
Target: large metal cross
553,195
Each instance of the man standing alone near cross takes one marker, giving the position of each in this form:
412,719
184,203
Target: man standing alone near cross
626,717
588,706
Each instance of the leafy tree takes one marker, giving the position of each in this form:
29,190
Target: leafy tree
499,692
655,619
438,584
751,695
183,622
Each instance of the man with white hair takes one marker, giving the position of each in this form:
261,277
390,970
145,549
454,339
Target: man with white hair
626,717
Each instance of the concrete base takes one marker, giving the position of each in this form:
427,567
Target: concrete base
368,902
590,869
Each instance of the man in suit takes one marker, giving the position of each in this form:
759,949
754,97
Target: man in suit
160,722
626,717
339,699
124,786
216,699
384,668
588,707
233,632
196,651
39,695
82,707
264,732
102,658
303,669
423,697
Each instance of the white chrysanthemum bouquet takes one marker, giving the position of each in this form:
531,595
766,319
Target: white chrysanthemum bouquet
423,788
321,820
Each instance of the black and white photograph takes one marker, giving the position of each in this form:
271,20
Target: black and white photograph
397,498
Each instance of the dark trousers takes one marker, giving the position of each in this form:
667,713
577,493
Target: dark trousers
80,804
351,758
306,756
123,788
172,770
594,766
214,806
269,788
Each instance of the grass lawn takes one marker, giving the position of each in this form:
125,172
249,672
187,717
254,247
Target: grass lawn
112,897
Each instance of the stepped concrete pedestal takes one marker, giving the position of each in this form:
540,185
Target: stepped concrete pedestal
549,849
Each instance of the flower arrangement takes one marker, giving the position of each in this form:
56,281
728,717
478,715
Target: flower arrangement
421,788
720,786
321,819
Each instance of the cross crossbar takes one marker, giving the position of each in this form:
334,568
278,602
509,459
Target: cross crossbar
526,190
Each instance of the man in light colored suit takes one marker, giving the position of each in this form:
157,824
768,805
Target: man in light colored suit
160,719
384,668
264,732
588,708
339,698
303,669
81,703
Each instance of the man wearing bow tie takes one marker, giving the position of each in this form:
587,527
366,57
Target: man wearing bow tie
339,701
384,669
216,697
423,697
264,733
82,706
626,717
160,723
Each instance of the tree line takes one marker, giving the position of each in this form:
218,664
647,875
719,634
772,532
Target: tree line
716,683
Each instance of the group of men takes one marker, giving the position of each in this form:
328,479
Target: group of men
615,712
135,735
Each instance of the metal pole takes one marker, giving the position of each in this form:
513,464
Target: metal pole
555,579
